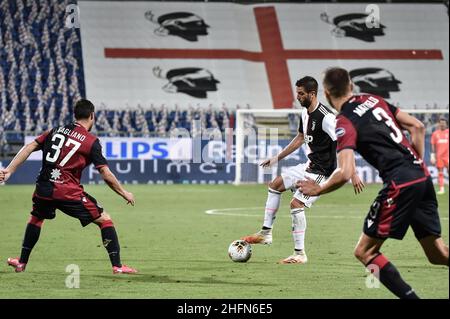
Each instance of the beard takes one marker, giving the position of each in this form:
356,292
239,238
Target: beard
306,103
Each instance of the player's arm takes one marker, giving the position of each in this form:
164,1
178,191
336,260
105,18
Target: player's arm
346,136
346,169
329,127
20,157
296,142
115,185
101,164
415,128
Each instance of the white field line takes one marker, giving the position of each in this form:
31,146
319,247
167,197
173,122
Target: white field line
235,212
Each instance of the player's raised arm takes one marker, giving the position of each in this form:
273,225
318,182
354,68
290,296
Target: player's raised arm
415,128
115,185
296,142
20,157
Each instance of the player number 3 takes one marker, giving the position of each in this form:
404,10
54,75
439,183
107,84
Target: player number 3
381,115
58,142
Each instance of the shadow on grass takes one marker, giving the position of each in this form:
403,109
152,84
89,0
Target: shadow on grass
148,278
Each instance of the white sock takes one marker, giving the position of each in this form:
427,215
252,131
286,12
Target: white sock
298,228
272,205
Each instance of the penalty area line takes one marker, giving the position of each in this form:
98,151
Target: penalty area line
235,212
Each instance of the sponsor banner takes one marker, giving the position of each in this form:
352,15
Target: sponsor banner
141,172
118,148
168,172
205,162
195,150
147,148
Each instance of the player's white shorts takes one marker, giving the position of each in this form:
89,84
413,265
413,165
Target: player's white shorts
296,173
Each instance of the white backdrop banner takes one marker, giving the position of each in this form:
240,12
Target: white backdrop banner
223,53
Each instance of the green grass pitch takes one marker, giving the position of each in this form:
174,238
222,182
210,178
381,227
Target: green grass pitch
181,252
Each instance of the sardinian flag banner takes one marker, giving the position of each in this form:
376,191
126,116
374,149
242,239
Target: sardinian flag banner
136,53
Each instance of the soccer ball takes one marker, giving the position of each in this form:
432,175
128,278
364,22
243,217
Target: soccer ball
240,251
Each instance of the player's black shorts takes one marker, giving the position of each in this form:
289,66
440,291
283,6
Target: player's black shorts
399,206
86,209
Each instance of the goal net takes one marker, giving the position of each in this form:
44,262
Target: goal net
262,134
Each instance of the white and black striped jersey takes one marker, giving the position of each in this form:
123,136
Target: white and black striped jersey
318,128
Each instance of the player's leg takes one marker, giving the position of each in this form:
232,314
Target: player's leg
298,204
426,225
390,216
264,236
30,239
298,233
110,239
435,249
367,251
111,243
276,187
87,210
41,209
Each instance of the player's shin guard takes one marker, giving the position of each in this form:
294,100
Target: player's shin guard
111,242
272,205
298,228
30,238
390,277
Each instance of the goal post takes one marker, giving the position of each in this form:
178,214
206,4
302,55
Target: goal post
257,131
262,133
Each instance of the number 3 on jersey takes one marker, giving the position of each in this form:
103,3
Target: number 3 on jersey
381,115
58,142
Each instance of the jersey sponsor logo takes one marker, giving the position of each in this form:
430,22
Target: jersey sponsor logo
375,81
185,25
313,125
308,138
362,108
55,175
369,223
195,82
354,25
340,131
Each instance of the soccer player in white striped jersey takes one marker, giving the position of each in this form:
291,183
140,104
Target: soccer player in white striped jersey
317,130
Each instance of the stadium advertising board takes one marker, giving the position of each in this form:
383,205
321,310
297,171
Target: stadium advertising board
120,148
166,161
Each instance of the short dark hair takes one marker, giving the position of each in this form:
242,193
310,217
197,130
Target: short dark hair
443,119
308,83
336,81
83,109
